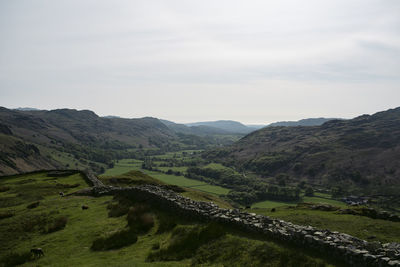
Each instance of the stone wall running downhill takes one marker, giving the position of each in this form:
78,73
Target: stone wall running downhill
351,250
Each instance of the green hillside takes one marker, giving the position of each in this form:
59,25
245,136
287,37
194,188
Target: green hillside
118,232
358,155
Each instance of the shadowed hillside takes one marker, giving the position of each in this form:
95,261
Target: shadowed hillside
360,153
26,136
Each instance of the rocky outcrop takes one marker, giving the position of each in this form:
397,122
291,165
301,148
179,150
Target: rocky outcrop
351,250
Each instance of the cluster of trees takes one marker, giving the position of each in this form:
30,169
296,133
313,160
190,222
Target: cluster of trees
244,190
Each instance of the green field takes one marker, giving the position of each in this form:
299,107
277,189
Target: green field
123,166
324,199
218,190
268,204
359,226
126,165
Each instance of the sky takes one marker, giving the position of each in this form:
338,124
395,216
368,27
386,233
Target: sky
185,61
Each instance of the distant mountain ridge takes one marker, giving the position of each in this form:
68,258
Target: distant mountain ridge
27,109
200,130
303,122
226,125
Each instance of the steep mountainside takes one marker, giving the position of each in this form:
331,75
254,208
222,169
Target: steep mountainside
24,135
363,152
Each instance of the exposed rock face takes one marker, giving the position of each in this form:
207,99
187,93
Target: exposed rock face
351,250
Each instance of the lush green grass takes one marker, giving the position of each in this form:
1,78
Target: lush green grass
212,243
359,226
214,189
123,166
130,178
324,200
137,178
71,246
175,169
267,204
126,165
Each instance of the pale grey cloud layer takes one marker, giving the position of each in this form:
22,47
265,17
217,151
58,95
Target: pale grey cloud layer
252,61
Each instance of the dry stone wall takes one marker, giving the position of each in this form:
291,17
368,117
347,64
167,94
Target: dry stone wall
351,250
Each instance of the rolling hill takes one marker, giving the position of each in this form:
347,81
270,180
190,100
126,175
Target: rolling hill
361,153
29,138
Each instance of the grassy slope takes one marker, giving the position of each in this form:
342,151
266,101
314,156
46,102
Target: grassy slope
359,226
315,199
137,177
127,165
71,245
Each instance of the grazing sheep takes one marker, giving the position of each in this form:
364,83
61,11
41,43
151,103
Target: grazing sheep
273,210
85,207
61,194
37,252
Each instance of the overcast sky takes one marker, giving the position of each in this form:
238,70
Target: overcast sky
251,61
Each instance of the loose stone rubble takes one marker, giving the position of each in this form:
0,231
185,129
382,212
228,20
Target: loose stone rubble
351,250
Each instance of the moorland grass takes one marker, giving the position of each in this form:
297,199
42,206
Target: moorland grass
358,226
147,237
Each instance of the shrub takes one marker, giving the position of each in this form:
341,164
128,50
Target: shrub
31,222
155,246
165,223
67,185
309,192
139,219
58,224
33,205
15,258
4,188
6,214
186,240
117,240
117,210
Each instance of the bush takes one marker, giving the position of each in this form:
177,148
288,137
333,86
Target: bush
33,205
35,221
186,240
15,258
165,223
139,220
309,192
4,188
58,224
117,210
6,214
67,185
117,240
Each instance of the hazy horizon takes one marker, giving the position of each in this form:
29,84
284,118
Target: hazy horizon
255,62
189,122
